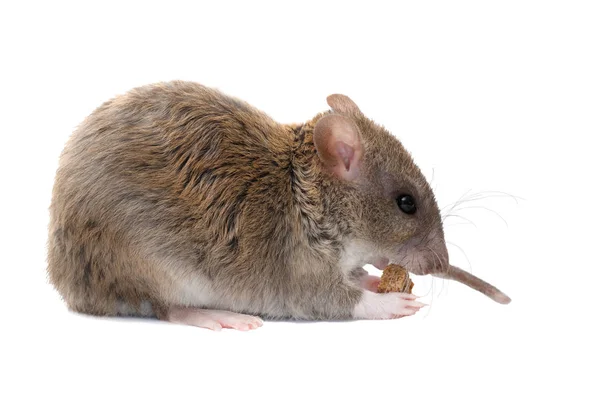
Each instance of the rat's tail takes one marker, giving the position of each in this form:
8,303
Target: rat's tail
474,282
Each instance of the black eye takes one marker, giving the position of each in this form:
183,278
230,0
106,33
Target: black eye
406,204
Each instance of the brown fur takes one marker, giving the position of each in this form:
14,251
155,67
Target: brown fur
176,184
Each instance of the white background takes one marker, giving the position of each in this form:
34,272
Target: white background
492,96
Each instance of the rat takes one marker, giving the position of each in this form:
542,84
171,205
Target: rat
179,202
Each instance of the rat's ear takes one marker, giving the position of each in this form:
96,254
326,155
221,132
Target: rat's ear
342,104
338,145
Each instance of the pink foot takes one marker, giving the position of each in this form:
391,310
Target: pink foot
370,282
386,305
213,319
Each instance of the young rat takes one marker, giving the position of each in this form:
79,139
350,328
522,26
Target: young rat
179,202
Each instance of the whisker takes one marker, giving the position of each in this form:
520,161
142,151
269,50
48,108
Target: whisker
485,208
455,203
494,193
437,256
442,288
480,196
430,306
458,224
441,265
459,216
445,286
463,252
402,260
432,179
431,289
459,199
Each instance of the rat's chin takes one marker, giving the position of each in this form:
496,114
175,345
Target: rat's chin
380,262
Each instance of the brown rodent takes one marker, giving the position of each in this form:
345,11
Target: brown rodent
179,202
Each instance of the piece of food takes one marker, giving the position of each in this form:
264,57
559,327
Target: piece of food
395,279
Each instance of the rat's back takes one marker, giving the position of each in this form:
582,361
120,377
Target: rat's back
154,188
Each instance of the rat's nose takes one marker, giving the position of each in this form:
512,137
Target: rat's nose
438,256
435,252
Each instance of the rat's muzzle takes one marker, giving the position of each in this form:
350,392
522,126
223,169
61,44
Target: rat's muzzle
424,255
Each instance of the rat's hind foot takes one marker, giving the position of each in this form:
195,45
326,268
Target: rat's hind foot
213,319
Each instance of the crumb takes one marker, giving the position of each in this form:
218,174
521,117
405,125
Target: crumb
395,279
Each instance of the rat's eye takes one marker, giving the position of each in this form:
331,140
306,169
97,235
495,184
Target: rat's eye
406,203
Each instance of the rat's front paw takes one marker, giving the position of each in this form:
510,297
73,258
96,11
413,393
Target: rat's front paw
386,305
370,282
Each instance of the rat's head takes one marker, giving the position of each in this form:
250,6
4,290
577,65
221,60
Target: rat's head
391,207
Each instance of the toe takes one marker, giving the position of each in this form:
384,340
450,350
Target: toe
416,304
257,322
212,325
408,296
242,322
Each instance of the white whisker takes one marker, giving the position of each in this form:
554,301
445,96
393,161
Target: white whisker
437,256
485,208
461,217
463,252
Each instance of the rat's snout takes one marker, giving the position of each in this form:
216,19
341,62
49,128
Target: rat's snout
426,254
